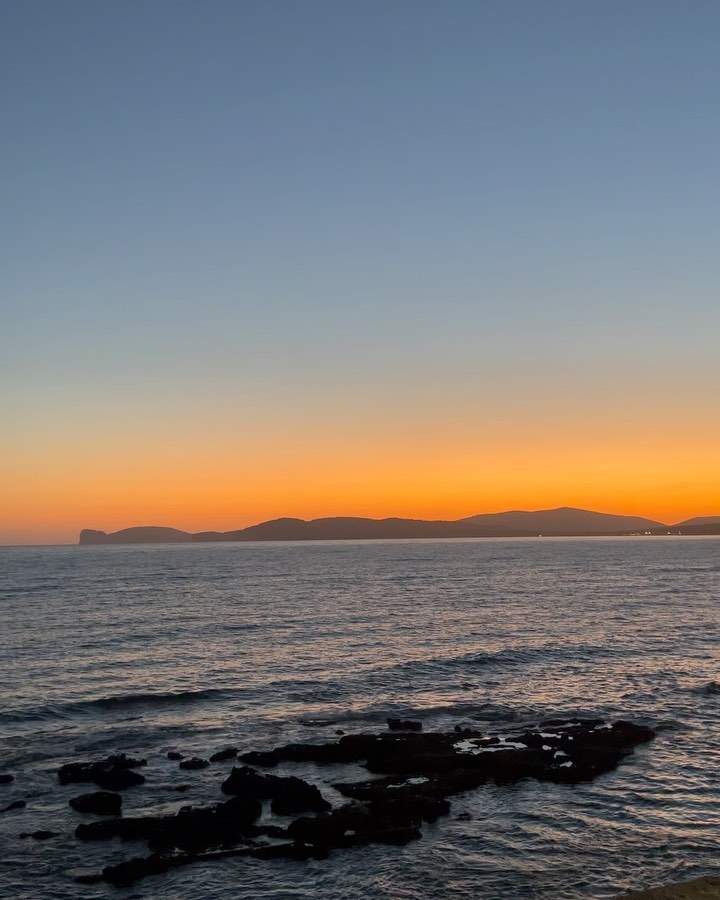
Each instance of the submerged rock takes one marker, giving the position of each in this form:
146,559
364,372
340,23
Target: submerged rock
195,763
16,804
175,756
102,803
40,835
353,825
404,725
133,870
192,828
112,774
6,778
222,755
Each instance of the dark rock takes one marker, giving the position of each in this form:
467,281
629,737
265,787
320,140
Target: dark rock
112,774
404,725
89,878
40,835
132,870
102,803
247,782
289,794
175,756
267,759
180,788
5,778
296,850
222,755
464,817
273,831
419,772
16,804
191,829
352,826
424,800
293,795
339,731
194,763
567,752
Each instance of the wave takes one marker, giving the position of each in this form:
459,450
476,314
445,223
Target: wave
508,657
150,698
378,713
114,702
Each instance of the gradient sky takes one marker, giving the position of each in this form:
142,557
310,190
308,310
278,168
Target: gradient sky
379,257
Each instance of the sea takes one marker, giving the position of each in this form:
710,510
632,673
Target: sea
153,648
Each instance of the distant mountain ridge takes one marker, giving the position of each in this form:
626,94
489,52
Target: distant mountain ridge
562,522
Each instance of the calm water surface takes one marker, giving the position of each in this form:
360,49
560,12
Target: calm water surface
191,647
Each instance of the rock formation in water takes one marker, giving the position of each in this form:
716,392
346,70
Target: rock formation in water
417,773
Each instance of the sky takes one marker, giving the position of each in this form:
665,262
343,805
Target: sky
266,258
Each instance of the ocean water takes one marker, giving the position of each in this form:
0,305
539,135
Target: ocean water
192,647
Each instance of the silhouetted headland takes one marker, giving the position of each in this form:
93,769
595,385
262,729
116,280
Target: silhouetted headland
562,522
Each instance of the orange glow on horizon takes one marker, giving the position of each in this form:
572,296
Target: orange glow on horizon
426,476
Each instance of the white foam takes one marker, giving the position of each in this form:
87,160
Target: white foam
420,779
466,747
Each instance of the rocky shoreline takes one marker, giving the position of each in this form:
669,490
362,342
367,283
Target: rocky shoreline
411,775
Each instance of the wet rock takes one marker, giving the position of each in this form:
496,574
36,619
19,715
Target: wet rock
194,763
293,795
89,878
111,774
463,817
566,752
423,800
222,755
102,803
180,788
40,835
192,828
133,870
356,747
419,771
352,826
16,804
175,756
404,725
265,758
6,778
296,850
288,795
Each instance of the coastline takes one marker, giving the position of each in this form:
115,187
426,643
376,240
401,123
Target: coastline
707,888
